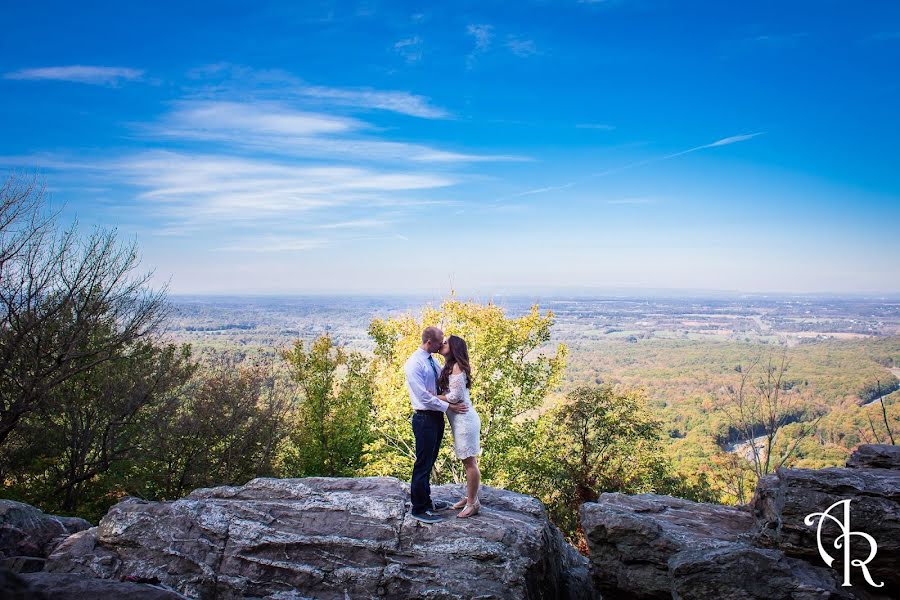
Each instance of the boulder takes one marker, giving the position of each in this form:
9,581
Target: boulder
27,531
743,572
783,500
875,456
68,586
330,538
659,547
633,538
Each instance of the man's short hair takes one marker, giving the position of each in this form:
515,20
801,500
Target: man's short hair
431,333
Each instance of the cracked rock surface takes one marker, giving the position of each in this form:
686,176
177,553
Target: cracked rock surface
658,547
330,538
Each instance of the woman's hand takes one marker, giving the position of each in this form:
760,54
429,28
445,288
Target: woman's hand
442,397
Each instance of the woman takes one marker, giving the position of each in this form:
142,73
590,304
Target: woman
456,380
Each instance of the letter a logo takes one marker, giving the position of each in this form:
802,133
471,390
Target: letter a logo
842,542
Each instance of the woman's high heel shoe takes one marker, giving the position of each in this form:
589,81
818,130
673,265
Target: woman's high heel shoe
461,503
470,510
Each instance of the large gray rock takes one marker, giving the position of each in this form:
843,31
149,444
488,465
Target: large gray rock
659,547
69,586
875,456
782,501
743,572
632,539
28,531
330,538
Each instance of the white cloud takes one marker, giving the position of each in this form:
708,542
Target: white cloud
356,224
246,83
109,76
191,119
276,128
599,126
270,243
268,175
410,49
233,186
483,35
399,102
521,47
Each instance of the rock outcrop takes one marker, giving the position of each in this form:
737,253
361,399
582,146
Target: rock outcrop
330,538
659,547
875,456
651,546
69,586
783,500
27,532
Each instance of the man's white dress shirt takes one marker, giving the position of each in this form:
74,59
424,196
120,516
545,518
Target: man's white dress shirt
421,379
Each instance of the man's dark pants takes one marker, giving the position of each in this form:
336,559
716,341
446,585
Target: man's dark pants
428,427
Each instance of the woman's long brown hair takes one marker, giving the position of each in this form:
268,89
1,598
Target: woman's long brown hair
459,355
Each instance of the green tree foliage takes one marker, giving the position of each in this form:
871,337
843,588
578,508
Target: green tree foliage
599,440
511,378
331,424
224,427
61,455
56,290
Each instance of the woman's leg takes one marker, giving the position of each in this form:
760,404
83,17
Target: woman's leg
473,478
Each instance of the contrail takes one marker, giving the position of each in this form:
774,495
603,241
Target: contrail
734,139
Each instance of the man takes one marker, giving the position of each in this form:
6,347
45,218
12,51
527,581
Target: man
427,423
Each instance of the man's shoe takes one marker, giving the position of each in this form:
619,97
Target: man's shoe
427,517
440,505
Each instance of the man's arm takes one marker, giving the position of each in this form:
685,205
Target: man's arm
416,381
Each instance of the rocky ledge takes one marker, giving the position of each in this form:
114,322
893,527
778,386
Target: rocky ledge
28,535
650,546
329,538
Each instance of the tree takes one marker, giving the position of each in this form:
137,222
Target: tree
332,420
599,439
759,408
224,428
93,422
511,378
55,288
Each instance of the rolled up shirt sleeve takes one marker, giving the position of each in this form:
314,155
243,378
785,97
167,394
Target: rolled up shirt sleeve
416,381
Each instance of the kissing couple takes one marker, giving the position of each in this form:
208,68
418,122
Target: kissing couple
434,392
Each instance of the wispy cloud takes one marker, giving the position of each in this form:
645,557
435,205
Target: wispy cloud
108,76
399,102
779,39
551,188
521,47
600,126
275,84
278,175
410,49
274,127
269,243
356,224
483,36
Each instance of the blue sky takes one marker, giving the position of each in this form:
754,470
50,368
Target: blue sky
266,147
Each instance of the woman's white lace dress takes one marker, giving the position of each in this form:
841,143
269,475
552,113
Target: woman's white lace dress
466,426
